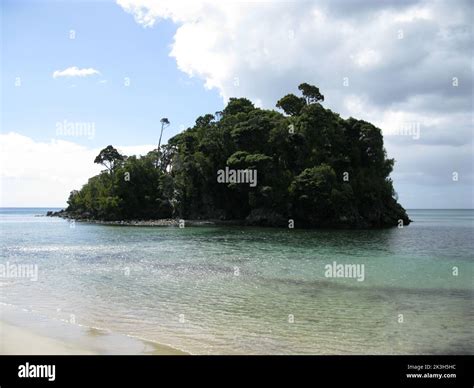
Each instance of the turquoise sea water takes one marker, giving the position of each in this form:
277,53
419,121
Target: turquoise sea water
233,290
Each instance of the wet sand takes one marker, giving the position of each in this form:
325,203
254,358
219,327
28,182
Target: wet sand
24,333
18,341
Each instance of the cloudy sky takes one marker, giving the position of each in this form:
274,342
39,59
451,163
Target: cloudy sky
77,76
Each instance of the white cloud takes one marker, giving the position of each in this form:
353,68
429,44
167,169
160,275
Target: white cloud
50,170
272,46
415,13
74,71
366,58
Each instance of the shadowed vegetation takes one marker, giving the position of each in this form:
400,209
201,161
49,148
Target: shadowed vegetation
313,167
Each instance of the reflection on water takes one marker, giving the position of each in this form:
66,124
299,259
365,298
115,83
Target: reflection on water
252,290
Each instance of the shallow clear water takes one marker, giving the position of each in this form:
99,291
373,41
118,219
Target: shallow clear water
222,290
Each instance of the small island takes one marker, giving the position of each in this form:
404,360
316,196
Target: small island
307,168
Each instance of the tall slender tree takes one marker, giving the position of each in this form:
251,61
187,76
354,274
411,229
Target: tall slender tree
164,123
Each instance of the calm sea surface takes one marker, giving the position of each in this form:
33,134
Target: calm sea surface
221,290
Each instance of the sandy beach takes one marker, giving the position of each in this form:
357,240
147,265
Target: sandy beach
18,341
27,333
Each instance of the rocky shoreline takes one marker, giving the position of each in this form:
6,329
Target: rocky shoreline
268,220
175,222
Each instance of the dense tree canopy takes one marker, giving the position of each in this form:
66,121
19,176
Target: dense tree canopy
311,93
291,104
108,157
312,167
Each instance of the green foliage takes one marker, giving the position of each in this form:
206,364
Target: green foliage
291,104
238,105
311,93
109,157
325,172
134,189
